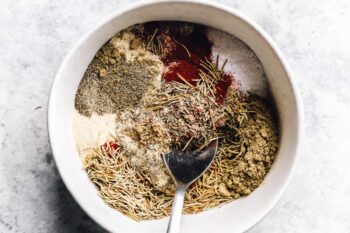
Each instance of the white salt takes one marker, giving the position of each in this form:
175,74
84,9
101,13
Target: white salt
242,61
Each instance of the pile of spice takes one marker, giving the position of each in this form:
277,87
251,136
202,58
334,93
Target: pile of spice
156,87
118,77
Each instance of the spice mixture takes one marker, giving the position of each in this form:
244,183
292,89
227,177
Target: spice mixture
156,87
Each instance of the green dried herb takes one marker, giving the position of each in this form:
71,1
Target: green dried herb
154,43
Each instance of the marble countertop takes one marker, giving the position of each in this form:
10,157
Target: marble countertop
35,37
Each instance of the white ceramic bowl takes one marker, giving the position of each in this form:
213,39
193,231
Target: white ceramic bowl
237,216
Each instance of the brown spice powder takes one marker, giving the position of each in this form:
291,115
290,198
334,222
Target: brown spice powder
112,82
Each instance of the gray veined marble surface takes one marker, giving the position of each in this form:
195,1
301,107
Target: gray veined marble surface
36,35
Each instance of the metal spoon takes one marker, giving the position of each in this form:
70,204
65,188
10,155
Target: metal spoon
185,168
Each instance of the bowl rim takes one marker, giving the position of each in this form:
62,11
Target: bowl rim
222,7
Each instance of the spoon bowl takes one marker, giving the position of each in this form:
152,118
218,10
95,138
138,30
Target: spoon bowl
185,168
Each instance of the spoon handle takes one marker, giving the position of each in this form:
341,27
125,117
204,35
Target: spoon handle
175,218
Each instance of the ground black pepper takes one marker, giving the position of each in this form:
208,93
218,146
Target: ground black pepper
112,83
